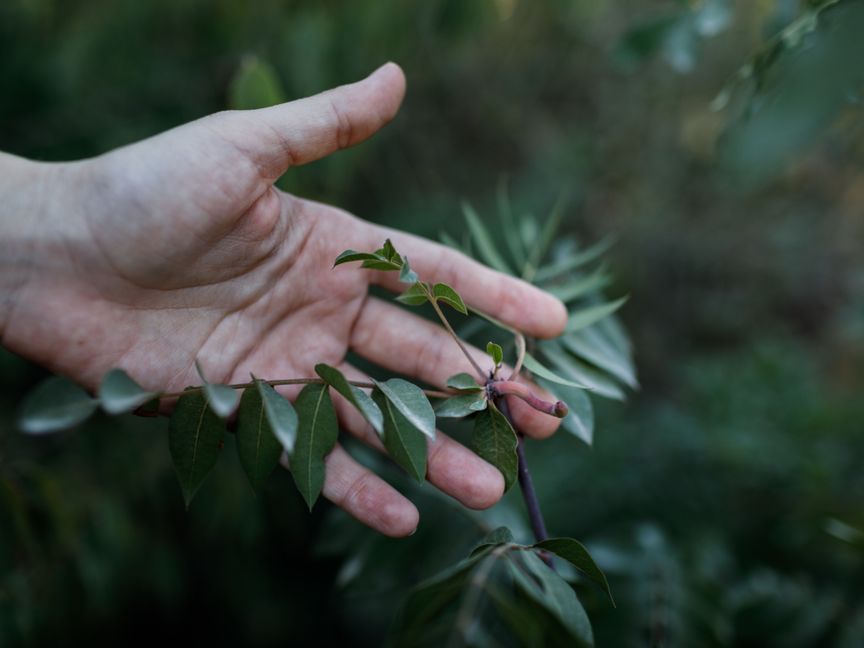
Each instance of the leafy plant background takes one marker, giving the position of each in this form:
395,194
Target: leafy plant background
723,500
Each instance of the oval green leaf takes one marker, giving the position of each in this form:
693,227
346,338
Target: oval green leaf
280,414
461,406
119,394
577,555
495,352
222,399
463,382
411,402
316,435
446,294
404,442
195,439
257,447
354,395
56,404
416,295
494,440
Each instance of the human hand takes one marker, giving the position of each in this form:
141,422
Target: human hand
180,248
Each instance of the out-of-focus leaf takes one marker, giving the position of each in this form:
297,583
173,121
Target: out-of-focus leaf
585,317
255,85
222,399
547,235
258,448
481,237
280,414
119,394
411,402
317,432
449,241
599,382
195,435
499,536
415,295
446,294
580,419
354,395
508,225
495,352
551,591
495,441
574,261
406,274
461,406
581,287
591,345
463,382
404,442
577,555
56,404
536,367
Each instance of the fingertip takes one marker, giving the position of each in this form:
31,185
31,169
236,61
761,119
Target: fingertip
485,488
553,320
399,519
391,83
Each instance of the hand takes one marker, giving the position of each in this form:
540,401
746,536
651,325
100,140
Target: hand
180,248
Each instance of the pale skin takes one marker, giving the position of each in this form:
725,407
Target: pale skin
179,248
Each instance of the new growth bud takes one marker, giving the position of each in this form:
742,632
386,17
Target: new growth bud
558,409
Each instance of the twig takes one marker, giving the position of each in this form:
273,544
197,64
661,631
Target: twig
443,318
431,393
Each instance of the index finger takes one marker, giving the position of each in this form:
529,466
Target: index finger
513,301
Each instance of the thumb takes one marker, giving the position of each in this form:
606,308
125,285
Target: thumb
305,130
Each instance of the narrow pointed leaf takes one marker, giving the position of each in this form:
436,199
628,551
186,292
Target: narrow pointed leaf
508,225
462,405
547,235
588,316
577,555
494,440
446,294
404,442
463,382
258,448
119,394
581,287
414,296
380,264
449,241
481,237
222,399
599,382
594,347
354,395
352,255
495,352
316,435
195,439
573,261
553,593
56,404
406,274
496,537
536,367
411,402
280,414
580,419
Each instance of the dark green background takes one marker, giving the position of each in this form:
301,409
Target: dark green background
724,499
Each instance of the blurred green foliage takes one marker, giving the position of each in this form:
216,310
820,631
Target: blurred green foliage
723,501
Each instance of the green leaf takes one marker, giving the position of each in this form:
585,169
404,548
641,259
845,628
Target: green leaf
580,419
600,383
552,592
591,345
415,295
354,395
406,274
587,316
411,402
550,227
258,448
316,435
463,382
352,255
573,261
445,293
461,405
577,555
496,537
56,404
404,442
495,352
280,415
119,394
380,264
389,252
255,85
508,225
195,439
495,441
536,367
481,237
581,287
222,399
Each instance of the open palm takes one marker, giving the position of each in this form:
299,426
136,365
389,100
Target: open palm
179,248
